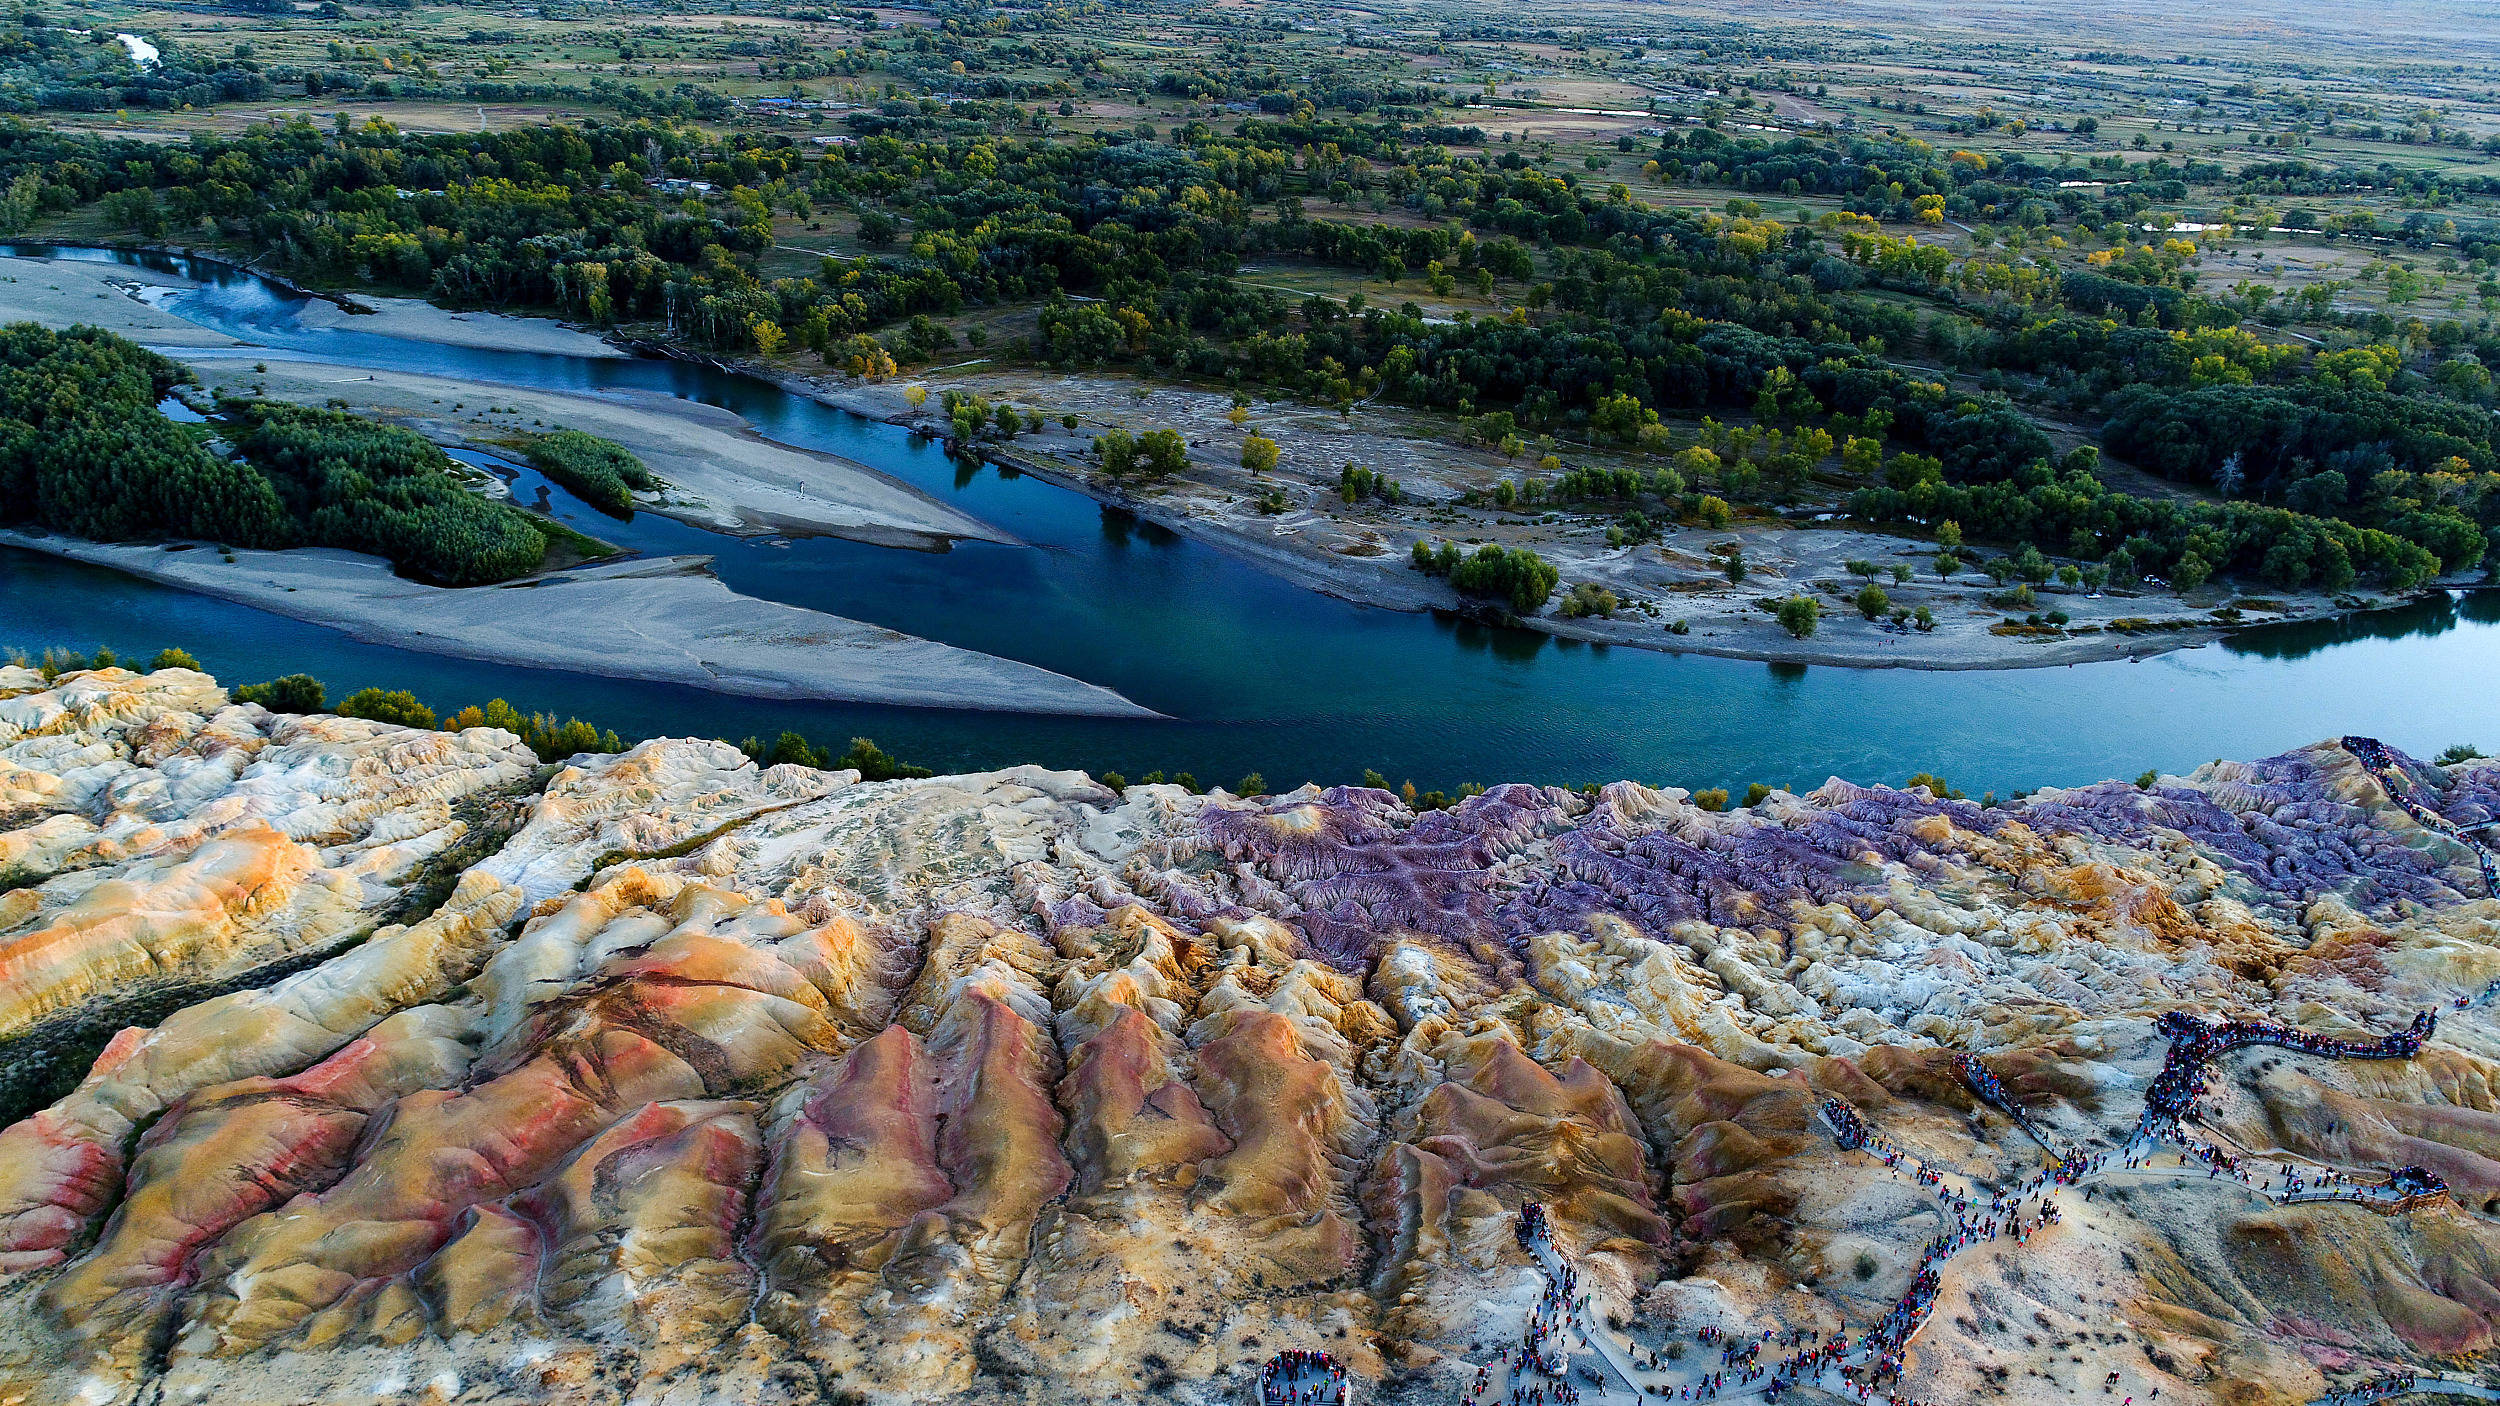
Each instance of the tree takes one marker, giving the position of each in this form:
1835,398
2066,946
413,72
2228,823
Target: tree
1799,615
915,396
1117,450
600,472
790,749
1732,566
1871,601
175,659
1165,453
1949,534
1516,575
1259,453
1713,511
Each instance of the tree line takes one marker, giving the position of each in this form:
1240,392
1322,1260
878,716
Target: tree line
85,450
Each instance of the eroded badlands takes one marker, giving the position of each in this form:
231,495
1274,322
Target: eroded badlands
413,1070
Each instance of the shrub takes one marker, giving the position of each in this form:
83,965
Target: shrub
1713,799
1589,598
399,707
175,659
290,693
1872,602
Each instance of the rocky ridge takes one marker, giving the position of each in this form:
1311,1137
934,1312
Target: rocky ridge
711,1082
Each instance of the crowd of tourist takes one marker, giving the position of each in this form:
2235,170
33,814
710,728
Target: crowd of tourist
2197,1040
1303,1377
1848,1128
2381,763
1537,1368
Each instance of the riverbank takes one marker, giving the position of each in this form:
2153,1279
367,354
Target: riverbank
721,474
663,619
115,297
1358,552
415,320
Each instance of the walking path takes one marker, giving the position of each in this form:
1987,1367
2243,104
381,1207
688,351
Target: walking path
2409,1384
2381,763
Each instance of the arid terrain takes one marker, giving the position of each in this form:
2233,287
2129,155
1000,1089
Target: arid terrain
414,1069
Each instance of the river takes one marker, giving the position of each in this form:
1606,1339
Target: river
1259,675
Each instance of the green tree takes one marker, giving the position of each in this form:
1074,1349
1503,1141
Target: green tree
1516,575
1259,453
1800,615
1117,451
1164,451
600,472
1871,601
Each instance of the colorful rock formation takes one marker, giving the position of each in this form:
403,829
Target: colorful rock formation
712,1082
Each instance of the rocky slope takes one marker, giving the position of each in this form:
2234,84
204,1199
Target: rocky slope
663,1077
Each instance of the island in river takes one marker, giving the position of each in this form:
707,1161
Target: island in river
667,619
1674,593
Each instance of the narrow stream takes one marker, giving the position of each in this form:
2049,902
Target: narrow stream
1259,675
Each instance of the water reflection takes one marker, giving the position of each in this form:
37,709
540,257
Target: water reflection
2435,614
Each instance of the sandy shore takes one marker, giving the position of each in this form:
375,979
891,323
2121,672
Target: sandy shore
665,619
720,473
1359,552
415,320
62,293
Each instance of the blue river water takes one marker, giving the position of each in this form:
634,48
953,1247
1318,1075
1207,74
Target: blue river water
1259,675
